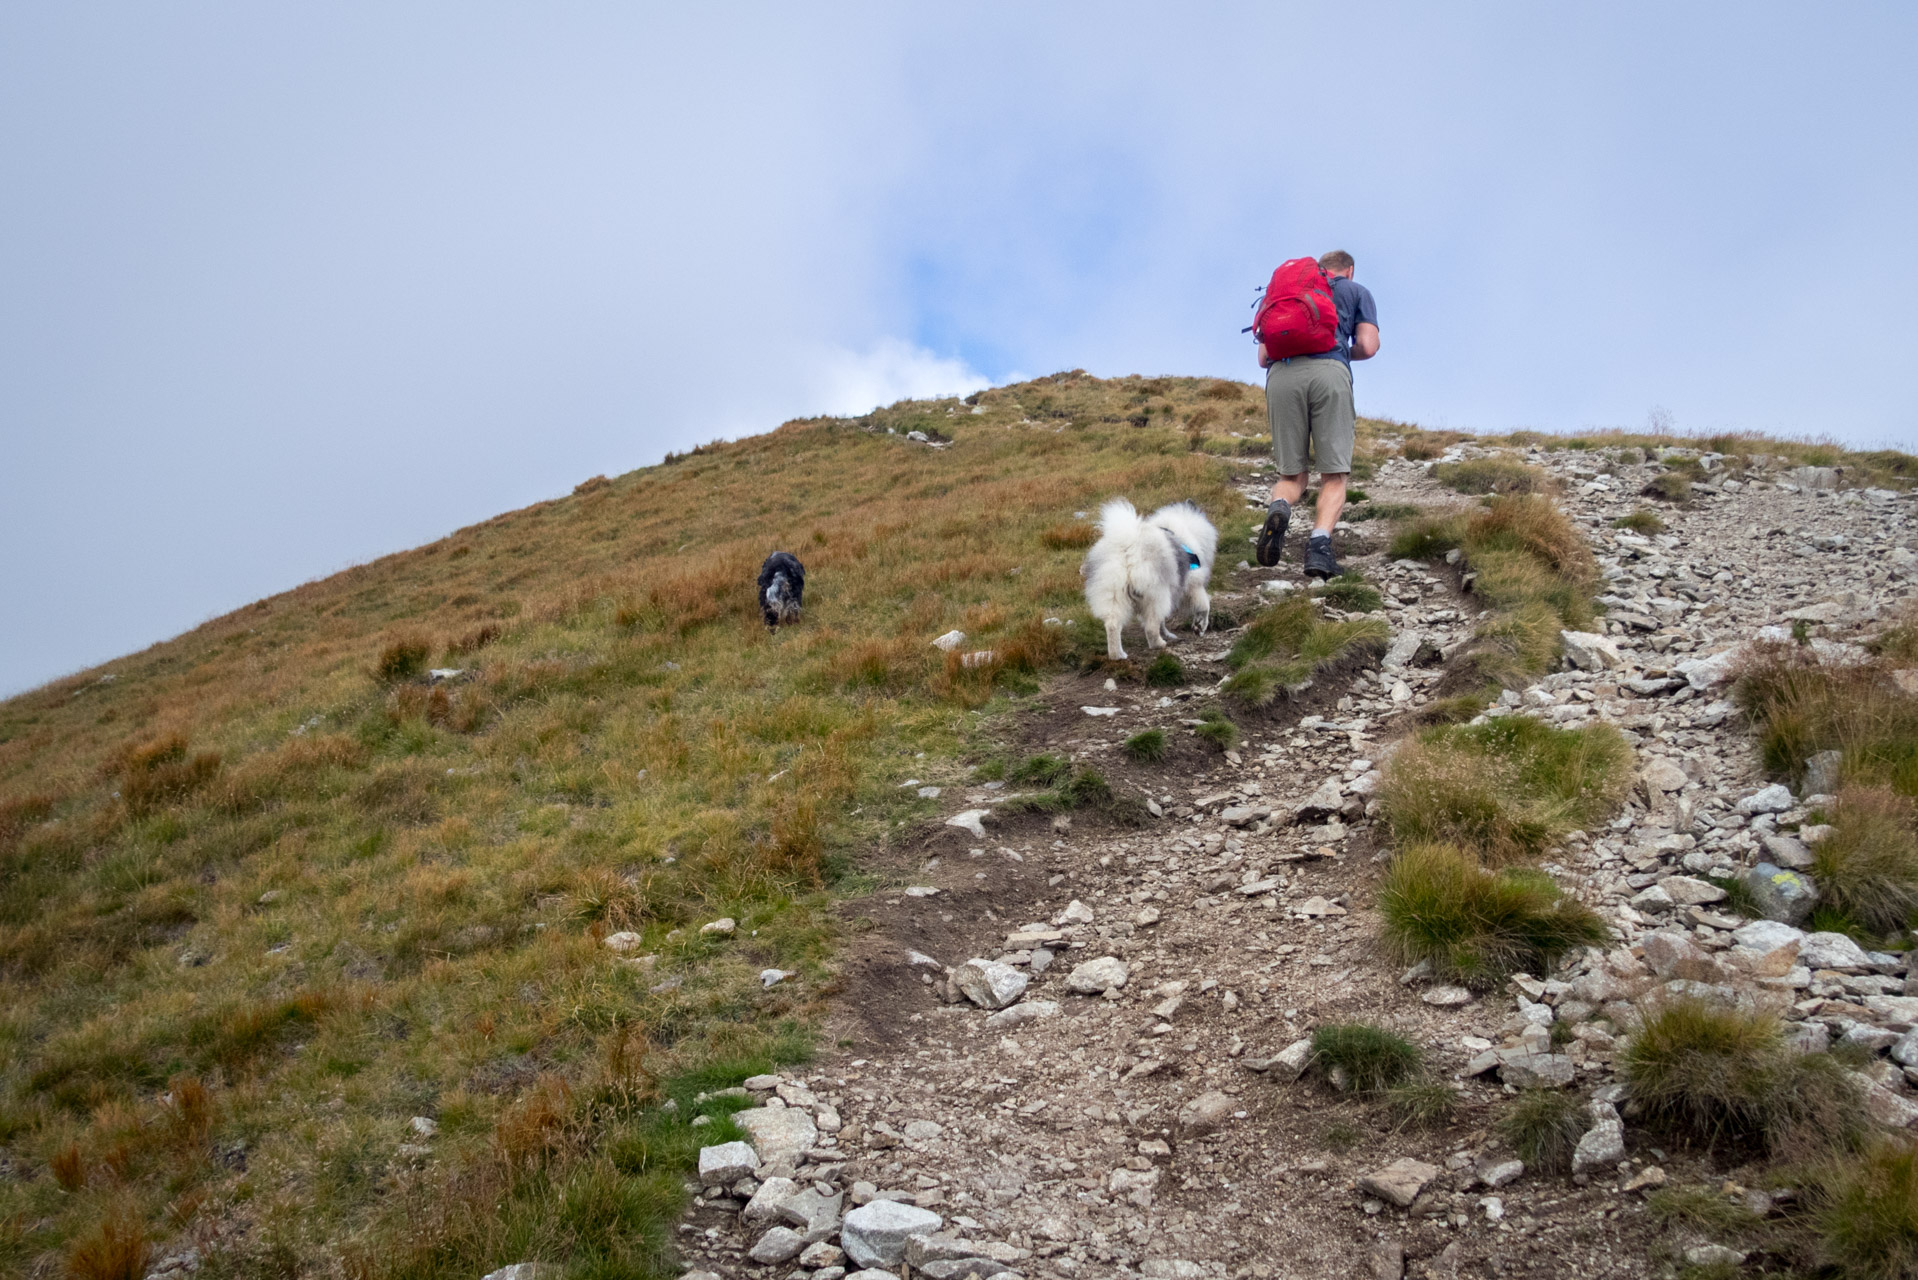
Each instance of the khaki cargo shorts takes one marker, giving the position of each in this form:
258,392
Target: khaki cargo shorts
1308,405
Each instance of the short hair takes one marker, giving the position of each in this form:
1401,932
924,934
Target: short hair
1337,260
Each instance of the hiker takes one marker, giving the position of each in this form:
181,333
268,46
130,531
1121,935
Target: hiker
1308,397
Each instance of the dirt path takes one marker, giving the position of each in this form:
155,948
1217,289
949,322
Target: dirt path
1144,1129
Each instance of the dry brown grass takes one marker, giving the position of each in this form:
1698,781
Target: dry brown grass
1867,868
116,1249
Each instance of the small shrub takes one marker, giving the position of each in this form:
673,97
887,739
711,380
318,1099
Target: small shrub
1492,475
1866,1213
1475,926
1717,1075
1504,789
1700,1207
1544,1126
1867,868
1351,592
1367,1059
1221,391
1669,486
1644,520
402,658
1147,747
1216,729
1165,672
1898,644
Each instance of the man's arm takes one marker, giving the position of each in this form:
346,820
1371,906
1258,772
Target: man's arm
1365,341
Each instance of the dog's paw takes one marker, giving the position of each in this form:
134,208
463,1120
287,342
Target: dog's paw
1202,623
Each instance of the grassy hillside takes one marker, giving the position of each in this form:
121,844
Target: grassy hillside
268,892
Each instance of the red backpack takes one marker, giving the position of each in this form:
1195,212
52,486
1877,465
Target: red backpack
1297,316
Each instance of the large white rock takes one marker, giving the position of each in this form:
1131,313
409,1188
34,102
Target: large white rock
1831,951
726,1163
779,1244
763,1208
1328,799
1107,973
1689,892
1603,1144
1025,1011
1589,652
781,1135
1767,935
1205,1113
1707,673
1403,647
874,1235
989,984
972,820
1400,1182
1773,799
1661,775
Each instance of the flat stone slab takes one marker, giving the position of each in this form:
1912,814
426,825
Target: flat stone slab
727,1163
875,1235
1399,1182
781,1135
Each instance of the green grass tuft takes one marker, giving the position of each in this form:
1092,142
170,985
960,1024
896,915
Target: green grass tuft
1352,593
1644,520
1146,746
1492,475
1867,869
1421,1104
1716,1076
1478,927
1216,728
1544,1126
1289,641
1370,1059
1165,672
1427,538
1670,486
1505,789
1865,1213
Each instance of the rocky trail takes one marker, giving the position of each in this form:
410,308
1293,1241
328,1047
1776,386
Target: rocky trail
1072,1048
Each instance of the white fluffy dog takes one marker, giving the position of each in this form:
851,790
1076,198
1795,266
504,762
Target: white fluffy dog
1149,567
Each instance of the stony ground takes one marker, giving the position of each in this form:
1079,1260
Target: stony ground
1140,1115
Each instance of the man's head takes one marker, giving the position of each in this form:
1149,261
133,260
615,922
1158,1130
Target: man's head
1337,263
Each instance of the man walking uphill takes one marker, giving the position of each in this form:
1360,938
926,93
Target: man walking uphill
1308,403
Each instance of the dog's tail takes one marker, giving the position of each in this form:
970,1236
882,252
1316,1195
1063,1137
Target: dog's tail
1118,518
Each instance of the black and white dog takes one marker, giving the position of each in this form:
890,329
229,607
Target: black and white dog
782,587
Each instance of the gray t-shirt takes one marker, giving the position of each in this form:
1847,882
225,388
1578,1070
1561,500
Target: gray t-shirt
1356,307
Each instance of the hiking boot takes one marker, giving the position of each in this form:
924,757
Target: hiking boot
1318,559
1278,517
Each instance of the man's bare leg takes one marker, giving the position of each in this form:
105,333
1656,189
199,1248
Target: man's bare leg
1331,502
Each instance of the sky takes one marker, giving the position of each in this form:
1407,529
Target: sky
284,288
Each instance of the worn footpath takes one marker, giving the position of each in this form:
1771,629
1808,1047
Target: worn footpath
1072,1048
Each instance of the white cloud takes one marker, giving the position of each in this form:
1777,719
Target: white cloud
849,382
